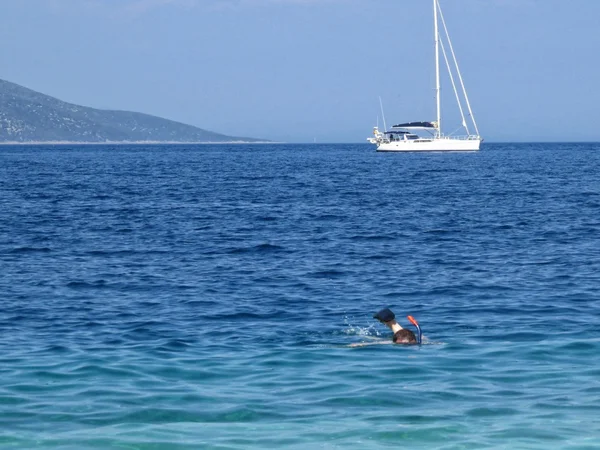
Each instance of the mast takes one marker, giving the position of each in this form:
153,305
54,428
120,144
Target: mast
437,67
462,84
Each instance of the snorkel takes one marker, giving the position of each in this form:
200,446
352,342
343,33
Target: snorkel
416,324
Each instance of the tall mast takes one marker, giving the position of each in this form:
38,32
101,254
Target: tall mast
437,67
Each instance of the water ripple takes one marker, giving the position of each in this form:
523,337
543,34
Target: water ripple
207,296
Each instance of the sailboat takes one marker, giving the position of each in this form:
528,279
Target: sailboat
428,136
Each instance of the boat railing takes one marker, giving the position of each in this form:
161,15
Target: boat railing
470,137
387,140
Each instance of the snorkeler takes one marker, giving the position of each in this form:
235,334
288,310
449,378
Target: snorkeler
401,335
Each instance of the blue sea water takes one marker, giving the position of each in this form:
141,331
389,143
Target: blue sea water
186,297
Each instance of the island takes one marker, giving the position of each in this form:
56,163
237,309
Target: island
27,116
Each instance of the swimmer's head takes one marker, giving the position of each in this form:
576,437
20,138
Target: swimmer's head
405,336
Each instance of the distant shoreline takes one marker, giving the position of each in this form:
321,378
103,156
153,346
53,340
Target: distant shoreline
135,143
27,114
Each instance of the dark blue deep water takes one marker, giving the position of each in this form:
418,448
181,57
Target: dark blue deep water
186,297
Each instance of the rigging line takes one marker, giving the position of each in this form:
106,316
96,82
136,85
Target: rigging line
460,108
457,128
458,71
382,114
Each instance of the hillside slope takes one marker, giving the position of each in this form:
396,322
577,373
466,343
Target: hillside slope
29,116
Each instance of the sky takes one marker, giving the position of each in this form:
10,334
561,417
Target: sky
313,70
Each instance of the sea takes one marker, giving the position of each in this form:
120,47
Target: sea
222,297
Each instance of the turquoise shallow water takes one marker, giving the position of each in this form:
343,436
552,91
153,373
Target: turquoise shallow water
189,297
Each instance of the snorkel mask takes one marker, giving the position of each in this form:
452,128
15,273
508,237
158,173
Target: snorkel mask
416,324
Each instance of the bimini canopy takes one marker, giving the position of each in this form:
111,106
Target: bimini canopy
396,132
415,125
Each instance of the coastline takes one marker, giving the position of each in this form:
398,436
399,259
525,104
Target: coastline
134,142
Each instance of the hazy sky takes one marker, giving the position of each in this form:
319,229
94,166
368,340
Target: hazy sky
298,70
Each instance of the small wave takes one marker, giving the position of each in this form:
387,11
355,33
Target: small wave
56,348
174,345
245,316
491,412
110,252
238,415
579,346
21,250
102,197
427,342
124,252
327,217
261,248
328,273
85,285
378,257
371,238
524,336
438,231
438,171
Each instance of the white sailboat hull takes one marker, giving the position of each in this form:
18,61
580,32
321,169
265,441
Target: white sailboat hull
431,145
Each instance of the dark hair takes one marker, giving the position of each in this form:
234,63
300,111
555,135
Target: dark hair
405,336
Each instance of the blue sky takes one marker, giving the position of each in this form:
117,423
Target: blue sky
299,70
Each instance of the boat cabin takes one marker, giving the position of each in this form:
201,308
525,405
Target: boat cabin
398,135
